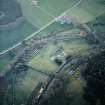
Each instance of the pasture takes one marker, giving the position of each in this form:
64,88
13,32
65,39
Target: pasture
3,64
8,38
37,16
87,10
76,46
54,28
45,11
26,84
43,61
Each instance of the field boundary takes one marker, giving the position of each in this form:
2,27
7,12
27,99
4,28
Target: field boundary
41,29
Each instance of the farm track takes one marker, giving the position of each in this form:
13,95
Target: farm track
41,29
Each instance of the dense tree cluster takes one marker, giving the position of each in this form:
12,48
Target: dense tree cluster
94,91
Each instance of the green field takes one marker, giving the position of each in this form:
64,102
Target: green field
74,87
101,20
87,10
36,17
3,64
43,61
26,84
45,11
8,38
74,90
54,28
74,46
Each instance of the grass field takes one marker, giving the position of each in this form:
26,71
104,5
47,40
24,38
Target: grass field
39,16
43,61
56,7
54,28
74,90
99,27
8,38
3,64
74,46
26,84
45,11
87,10
33,14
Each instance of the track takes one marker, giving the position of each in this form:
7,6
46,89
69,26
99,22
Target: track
37,70
30,36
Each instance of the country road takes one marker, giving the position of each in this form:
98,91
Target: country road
36,32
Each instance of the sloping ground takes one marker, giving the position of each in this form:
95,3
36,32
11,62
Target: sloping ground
78,46
13,26
74,90
100,24
3,64
39,16
87,10
45,11
26,84
54,28
56,7
43,60
33,14
8,38
7,7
